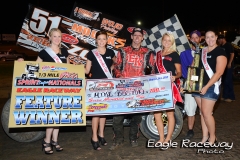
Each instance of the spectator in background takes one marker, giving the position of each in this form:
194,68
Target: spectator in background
190,104
228,91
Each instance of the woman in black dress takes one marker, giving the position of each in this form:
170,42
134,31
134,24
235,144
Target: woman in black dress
168,60
108,56
53,53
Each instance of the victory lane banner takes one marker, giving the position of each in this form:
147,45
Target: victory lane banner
47,94
129,95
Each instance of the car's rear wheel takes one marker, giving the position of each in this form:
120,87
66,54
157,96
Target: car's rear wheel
149,129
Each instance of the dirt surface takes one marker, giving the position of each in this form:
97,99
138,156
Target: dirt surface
76,140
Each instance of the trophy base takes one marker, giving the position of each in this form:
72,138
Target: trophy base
187,91
194,81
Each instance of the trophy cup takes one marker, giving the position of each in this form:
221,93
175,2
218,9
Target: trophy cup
194,82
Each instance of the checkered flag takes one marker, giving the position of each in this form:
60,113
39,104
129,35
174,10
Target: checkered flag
153,37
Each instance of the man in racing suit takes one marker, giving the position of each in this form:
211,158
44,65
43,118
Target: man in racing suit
131,61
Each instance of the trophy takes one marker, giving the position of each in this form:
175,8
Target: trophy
194,82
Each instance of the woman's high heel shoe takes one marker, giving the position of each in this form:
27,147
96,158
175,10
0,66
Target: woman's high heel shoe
215,141
57,147
46,145
102,141
205,140
95,145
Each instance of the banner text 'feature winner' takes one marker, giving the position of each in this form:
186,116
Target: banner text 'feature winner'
47,94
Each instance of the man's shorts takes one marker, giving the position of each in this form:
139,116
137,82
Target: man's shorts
190,104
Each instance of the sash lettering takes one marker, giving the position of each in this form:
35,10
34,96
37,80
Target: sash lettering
209,70
102,63
53,55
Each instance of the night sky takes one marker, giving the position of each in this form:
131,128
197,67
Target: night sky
201,15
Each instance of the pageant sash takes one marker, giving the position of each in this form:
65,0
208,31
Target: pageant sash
102,63
209,70
161,69
53,55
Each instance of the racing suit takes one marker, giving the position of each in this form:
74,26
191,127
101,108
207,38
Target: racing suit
131,62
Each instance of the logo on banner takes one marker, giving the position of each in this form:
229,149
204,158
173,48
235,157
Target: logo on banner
30,71
53,68
97,107
69,39
85,14
34,77
146,103
87,35
98,86
111,26
134,83
133,104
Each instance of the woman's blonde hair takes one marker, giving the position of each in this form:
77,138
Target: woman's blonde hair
50,34
170,34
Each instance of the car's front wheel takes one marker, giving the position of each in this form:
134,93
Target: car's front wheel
19,134
149,129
